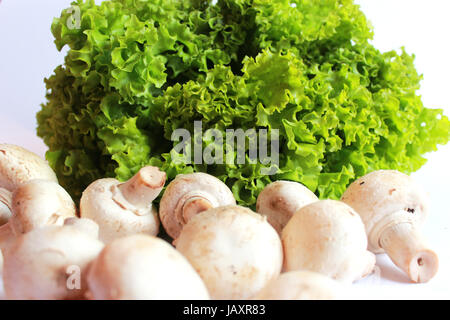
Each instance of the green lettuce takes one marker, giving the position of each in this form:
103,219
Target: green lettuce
136,70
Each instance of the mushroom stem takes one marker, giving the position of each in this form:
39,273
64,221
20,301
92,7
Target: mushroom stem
407,249
141,189
194,206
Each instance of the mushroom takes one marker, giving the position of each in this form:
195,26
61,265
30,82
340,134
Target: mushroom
18,165
328,237
122,209
393,207
300,285
188,195
5,205
88,226
142,267
49,263
235,251
279,200
34,204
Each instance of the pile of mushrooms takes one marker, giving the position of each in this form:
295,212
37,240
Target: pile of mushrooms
294,246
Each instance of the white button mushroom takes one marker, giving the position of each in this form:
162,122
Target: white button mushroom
235,251
328,237
141,267
86,225
49,263
301,285
5,205
40,202
393,207
189,194
279,200
122,209
36,203
18,165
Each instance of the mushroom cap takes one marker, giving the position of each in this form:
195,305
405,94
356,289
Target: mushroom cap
5,205
38,203
18,165
300,285
235,251
83,224
328,237
38,264
114,220
141,267
279,200
186,186
383,198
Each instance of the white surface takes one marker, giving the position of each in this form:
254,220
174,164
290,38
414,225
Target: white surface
28,55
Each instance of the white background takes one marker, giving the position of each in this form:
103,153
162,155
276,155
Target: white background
28,55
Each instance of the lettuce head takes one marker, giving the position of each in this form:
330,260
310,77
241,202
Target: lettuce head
136,70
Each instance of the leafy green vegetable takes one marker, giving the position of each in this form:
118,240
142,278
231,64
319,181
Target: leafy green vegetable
137,70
